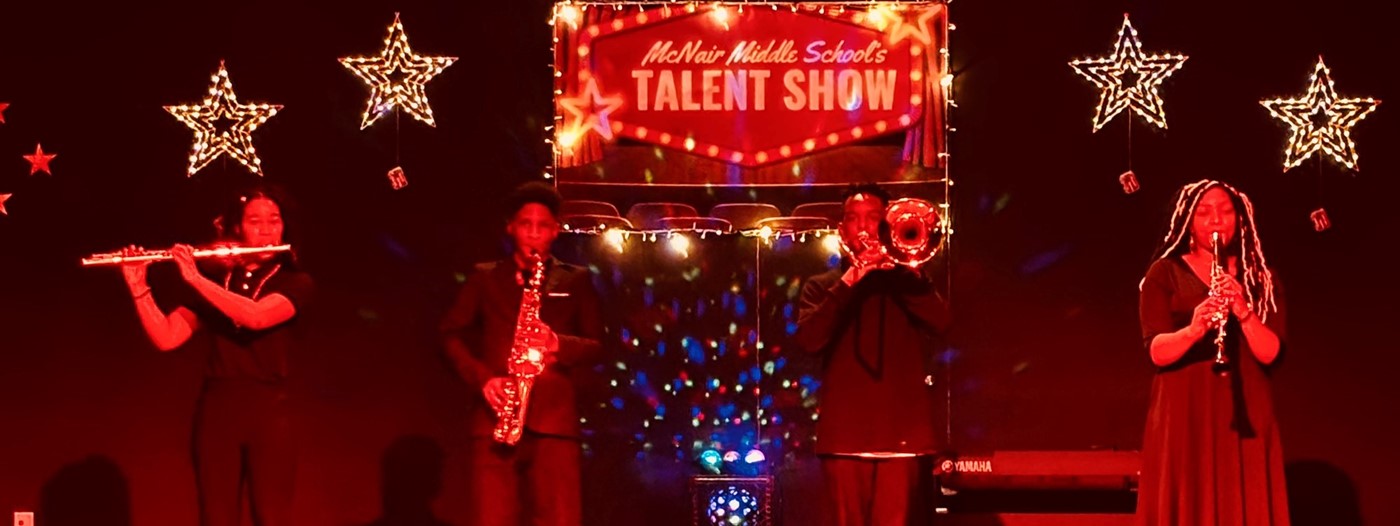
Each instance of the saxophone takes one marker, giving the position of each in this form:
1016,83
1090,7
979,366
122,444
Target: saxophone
525,361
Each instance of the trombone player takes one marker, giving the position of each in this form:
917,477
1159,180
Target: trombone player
871,320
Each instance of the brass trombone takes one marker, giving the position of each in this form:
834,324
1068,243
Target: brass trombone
915,229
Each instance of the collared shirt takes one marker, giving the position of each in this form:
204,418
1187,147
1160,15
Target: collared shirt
245,354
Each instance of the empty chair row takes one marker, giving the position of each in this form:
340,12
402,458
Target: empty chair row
661,215
596,222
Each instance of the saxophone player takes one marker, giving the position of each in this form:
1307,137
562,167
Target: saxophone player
870,320
537,479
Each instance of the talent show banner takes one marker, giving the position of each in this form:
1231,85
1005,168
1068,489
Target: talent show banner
747,84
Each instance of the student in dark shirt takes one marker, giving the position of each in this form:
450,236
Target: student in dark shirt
535,481
247,306
872,323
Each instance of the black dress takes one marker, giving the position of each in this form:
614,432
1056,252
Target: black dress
1211,451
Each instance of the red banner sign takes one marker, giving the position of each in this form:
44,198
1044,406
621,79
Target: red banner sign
750,86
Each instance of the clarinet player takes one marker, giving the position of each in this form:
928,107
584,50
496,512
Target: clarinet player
1212,451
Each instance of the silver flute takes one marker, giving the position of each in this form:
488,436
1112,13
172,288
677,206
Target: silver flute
117,258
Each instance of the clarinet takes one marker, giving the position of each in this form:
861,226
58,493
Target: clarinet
1222,316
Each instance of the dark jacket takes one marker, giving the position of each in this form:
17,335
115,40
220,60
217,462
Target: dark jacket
479,330
876,340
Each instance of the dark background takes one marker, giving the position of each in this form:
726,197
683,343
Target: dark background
1046,259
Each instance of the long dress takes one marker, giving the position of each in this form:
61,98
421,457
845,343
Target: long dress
1211,451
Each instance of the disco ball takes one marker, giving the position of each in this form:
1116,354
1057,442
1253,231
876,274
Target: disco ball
732,506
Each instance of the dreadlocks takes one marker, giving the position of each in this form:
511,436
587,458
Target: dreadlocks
1258,280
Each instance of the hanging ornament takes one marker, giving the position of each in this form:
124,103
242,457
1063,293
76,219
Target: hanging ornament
1320,120
397,180
1319,220
1129,78
396,77
1129,182
39,161
223,126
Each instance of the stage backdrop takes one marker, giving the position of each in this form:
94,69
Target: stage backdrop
747,86
1046,258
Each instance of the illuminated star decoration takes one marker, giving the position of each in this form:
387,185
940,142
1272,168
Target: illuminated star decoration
3,198
590,111
39,162
1321,120
1129,78
221,106
396,77
3,105
919,30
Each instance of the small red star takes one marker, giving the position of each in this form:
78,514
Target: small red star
39,162
3,198
3,105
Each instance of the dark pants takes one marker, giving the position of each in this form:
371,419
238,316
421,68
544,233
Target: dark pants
243,442
868,492
535,482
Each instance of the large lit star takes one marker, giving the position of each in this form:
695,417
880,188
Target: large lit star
1320,120
396,77
223,126
39,161
1129,78
590,110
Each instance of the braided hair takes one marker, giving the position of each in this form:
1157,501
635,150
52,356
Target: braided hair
1258,279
